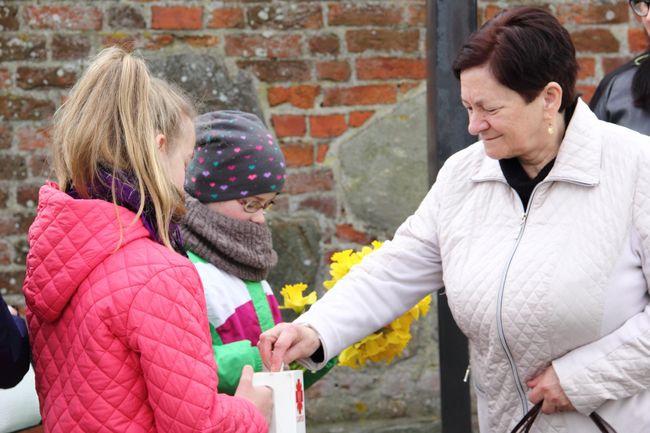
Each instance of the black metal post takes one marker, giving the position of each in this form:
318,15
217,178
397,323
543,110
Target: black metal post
449,23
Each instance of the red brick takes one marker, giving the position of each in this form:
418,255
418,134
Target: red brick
32,78
366,15
5,78
489,12
70,47
27,194
587,68
298,96
298,154
291,15
637,40
63,17
586,91
358,118
335,70
125,17
14,107
12,281
278,95
387,68
176,18
327,125
274,71
324,205
324,44
40,165
611,63
347,232
417,15
6,135
146,40
5,248
321,152
595,40
360,95
123,40
226,18
288,125
12,167
157,41
8,18
22,47
200,41
382,40
591,13
316,180
29,138
278,46
407,86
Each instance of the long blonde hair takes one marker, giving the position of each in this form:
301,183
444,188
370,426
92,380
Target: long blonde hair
111,119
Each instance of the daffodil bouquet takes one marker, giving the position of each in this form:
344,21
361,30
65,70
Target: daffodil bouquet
383,345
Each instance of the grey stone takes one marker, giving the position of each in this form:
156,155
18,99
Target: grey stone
297,242
206,79
383,169
419,425
405,390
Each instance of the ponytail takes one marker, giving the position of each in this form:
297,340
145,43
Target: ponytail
110,121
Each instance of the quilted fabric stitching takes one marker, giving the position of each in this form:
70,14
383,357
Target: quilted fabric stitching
75,388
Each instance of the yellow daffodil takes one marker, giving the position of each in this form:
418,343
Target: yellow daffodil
293,298
382,346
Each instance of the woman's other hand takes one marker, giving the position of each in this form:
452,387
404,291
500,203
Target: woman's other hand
547,387
285,343
260,396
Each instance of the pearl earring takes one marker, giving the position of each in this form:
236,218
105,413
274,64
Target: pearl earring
550,129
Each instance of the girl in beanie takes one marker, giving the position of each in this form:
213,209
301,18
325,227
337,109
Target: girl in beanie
236,172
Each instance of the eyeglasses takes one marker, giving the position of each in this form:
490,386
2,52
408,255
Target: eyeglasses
253,205
640,7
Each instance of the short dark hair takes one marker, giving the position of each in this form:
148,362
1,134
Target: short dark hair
526,48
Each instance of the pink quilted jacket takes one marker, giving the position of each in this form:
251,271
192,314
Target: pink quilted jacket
120,337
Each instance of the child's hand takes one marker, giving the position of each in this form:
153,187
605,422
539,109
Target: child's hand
260,396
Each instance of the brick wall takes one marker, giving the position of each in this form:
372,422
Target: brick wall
323,68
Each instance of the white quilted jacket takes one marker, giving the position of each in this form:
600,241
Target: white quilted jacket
563,282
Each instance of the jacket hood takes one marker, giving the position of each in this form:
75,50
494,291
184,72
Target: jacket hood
68,239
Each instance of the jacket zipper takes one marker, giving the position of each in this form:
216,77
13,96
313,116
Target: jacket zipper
502,338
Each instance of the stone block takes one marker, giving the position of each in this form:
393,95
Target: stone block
297,242
207,80
383,168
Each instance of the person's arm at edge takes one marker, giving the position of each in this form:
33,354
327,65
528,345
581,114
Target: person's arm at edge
14,348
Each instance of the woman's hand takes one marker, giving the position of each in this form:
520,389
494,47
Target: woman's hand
547,387
285,343
260,396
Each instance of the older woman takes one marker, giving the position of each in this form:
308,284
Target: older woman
540,233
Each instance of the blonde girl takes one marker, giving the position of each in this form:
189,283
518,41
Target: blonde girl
117,316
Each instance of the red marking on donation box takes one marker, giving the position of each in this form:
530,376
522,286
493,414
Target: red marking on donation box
299,396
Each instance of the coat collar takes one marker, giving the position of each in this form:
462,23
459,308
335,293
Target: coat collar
578,160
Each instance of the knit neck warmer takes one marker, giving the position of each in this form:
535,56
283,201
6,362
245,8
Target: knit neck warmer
241,248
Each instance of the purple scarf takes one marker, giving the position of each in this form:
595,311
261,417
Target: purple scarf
129,197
